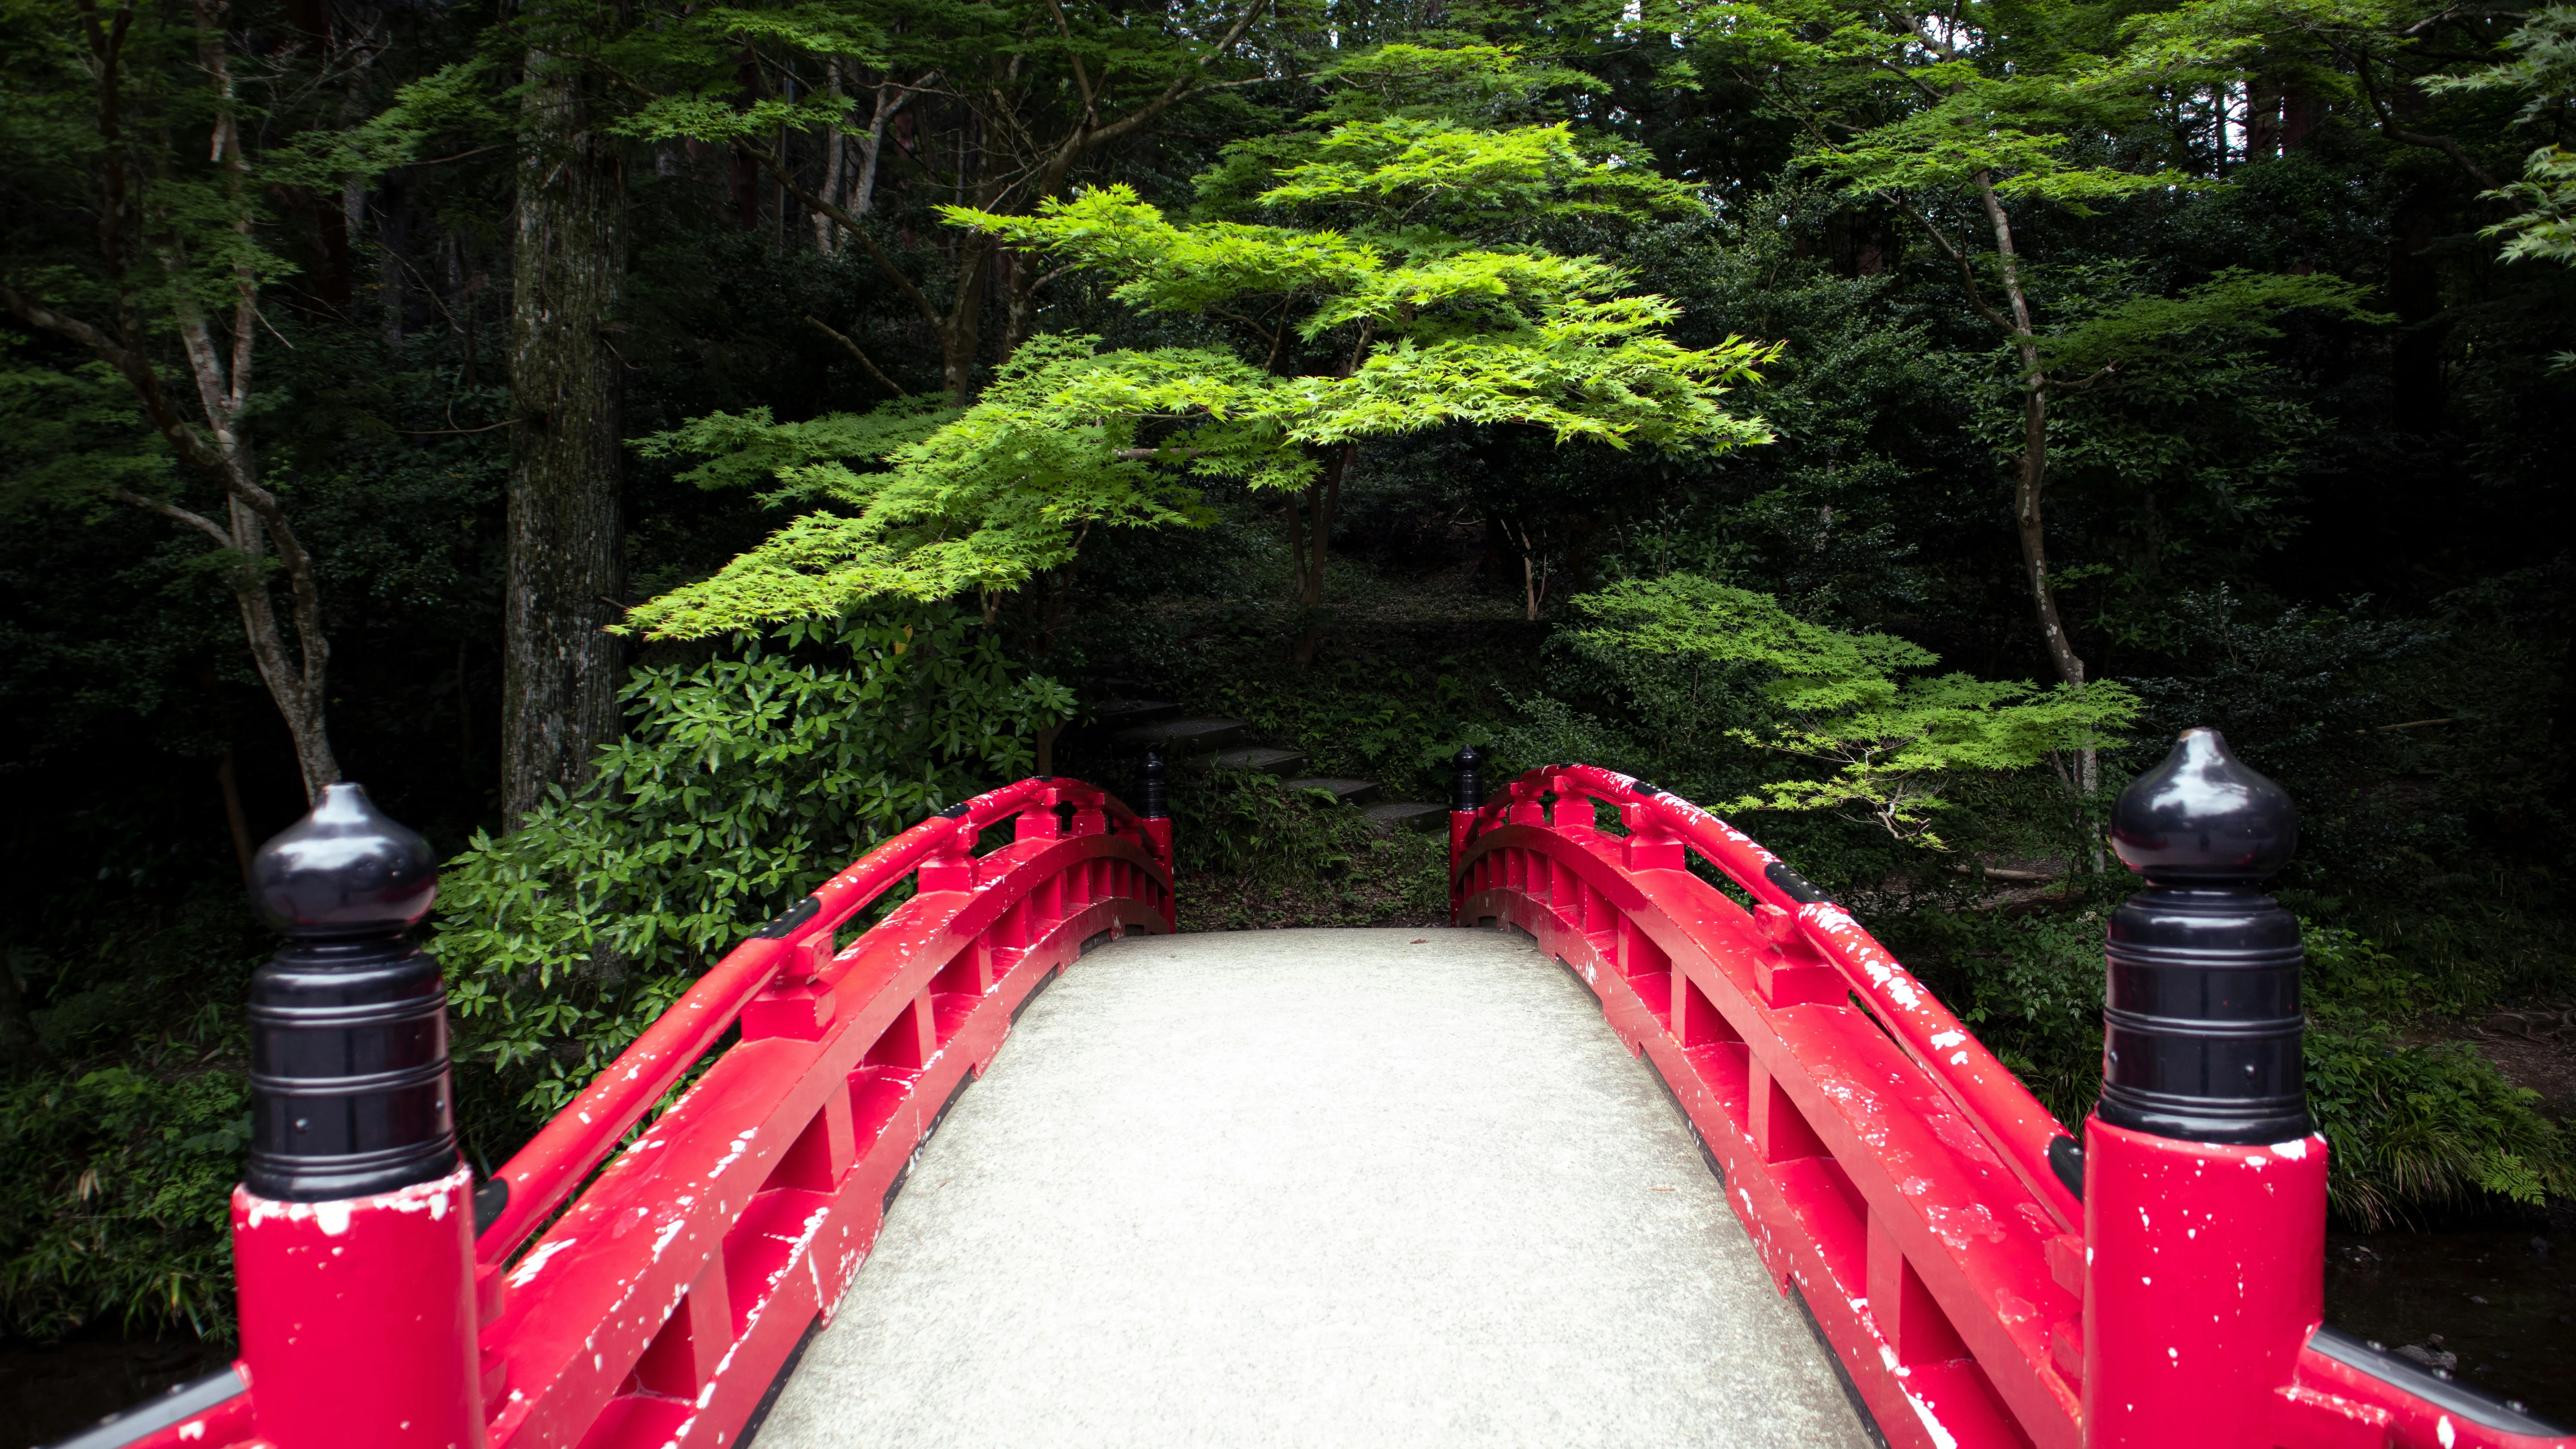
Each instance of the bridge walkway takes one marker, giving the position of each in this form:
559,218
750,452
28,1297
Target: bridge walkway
1345,1188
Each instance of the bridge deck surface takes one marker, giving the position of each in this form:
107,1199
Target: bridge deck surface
1377,1187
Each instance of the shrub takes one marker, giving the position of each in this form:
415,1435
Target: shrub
741,784
1253,854
2414,1128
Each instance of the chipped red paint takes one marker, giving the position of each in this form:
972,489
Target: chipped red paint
1888,1167
1883,1161
358,1317
2184,1328
666,1298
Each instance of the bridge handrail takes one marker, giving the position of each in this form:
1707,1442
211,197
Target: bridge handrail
1884,1164
543,1175
1983,1088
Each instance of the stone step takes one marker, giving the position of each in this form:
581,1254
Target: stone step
1119,714
1406,815
1349,792
1260,759
1182,736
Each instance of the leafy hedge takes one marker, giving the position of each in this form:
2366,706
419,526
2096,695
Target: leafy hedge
741,784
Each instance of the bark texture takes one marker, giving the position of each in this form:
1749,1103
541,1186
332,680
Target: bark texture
561,671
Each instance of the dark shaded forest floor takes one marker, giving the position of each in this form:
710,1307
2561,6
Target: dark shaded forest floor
2533,1045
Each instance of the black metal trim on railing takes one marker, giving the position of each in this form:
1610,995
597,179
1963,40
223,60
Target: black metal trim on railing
795,916
182,1402
2433,1386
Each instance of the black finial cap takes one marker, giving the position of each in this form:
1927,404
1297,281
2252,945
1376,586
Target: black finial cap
345,869
349,1083
1466,779
2204,816
1155,800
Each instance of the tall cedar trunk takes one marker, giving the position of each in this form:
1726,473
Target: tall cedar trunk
561,671
2263,117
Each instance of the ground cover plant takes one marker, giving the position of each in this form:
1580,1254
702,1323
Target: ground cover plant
662,450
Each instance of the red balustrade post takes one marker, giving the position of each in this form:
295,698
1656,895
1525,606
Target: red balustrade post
2204,1178
1650,845
1037,819
1573,814
950,866
353,1231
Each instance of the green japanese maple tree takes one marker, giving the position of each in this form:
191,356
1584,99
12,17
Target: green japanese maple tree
1893,735
1394,286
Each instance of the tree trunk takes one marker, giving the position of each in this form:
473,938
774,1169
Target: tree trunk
2029,480
2301,113
229,784
836,163
1321,498
561,672
1021,274
219,368
2033,472
963,328
2263,117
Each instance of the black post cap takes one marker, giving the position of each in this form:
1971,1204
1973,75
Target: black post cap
1466,779
345,869
1154,801
2201,1018
2204,816
349,1076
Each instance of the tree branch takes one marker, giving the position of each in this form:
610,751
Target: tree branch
818,325
1086,138
1081,76
197,521
1967,274
2447,147
2388,126
770,162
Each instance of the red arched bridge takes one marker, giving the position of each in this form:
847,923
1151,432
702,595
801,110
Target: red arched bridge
652,1272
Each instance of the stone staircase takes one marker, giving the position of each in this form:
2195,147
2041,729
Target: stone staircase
1202,743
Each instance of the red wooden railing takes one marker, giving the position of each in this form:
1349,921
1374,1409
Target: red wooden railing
1920,1203
661,1305
1901,1182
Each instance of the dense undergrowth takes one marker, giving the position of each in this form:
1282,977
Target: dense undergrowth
1256,855
123,1145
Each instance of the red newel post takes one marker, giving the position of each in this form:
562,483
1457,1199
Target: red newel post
1154,806
1466,792
2204,1178
353,1231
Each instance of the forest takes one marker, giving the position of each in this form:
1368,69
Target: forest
661,450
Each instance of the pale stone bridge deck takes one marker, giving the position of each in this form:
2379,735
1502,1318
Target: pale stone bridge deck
1346,1188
